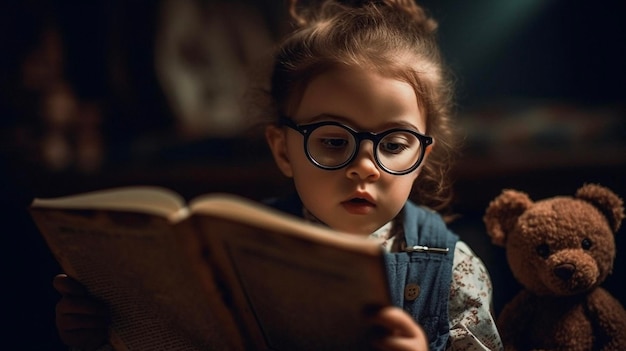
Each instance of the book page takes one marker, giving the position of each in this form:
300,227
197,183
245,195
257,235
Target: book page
147,199
145,271
297,287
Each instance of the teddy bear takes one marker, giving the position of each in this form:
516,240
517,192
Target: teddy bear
560,250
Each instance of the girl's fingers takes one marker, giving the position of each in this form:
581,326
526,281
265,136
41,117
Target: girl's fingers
396,320
80,306
394,329
68,286
400,344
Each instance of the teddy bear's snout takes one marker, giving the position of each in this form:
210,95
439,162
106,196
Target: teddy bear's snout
571,272
564,271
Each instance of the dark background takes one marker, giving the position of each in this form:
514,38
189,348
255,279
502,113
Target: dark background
541,97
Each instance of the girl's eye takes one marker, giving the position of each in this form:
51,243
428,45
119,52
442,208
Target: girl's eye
334,143
394,146
586,244
398,142
543,250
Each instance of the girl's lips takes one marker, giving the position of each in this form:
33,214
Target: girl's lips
358,205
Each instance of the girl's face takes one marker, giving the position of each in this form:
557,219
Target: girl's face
360,197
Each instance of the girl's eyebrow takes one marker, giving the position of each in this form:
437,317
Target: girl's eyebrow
404,125
327,116
390,125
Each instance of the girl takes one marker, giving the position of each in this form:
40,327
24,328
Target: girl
364,118
363,109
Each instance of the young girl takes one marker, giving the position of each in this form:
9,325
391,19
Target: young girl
363,109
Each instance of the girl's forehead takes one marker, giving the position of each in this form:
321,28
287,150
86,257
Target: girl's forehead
365,99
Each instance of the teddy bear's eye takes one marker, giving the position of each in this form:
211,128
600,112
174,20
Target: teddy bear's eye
543,250
586,244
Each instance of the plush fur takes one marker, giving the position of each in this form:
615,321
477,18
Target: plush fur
560,250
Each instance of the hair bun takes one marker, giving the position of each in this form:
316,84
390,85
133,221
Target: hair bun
409,7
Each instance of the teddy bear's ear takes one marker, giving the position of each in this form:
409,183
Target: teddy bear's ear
502,214
606,201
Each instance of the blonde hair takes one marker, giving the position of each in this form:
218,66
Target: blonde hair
397,39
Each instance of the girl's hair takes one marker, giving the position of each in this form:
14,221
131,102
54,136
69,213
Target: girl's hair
395,38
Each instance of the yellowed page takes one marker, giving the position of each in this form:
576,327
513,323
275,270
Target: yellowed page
145,199
146,273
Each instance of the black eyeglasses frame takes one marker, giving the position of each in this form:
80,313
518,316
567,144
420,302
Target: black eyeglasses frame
307,129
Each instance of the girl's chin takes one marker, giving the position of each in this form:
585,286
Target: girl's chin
356,230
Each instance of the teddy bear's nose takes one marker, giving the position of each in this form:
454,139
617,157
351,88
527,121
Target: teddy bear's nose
564,271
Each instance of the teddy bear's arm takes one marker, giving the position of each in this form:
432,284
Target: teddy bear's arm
513,321
608,318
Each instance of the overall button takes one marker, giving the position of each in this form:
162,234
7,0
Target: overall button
411,292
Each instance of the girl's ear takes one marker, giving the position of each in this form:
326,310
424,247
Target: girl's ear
276,139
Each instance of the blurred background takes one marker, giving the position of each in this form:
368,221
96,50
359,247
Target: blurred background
101,93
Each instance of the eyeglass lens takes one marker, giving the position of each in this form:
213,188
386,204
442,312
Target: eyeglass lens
333,146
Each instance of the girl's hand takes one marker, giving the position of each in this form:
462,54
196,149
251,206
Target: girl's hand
394,329
82,321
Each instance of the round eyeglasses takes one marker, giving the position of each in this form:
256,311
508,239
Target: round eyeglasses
331,145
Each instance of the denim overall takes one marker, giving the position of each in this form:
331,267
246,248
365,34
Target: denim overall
419,280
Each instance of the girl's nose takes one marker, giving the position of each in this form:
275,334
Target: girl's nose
364,166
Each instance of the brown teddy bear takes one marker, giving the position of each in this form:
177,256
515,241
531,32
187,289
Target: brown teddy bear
560,250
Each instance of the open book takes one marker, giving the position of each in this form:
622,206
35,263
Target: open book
219,273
